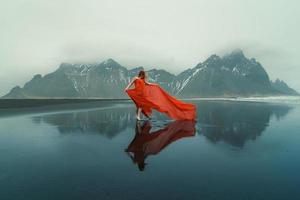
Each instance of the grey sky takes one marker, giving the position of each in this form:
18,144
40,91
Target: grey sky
37,35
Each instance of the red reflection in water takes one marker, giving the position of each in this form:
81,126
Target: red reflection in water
147,143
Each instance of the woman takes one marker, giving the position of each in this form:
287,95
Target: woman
148,96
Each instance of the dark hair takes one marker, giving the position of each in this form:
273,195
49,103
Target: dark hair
141,166
142,74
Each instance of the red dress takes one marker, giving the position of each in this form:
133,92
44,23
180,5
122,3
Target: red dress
150,97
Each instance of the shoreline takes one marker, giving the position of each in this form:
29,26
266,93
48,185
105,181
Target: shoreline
27,103
12,107
6,104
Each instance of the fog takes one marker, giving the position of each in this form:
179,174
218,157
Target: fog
37,35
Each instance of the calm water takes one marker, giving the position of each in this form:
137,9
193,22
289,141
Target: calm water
236,150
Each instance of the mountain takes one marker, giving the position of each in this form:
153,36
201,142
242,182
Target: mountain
282,87
104,80
231,75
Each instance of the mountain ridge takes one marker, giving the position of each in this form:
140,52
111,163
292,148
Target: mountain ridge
230,75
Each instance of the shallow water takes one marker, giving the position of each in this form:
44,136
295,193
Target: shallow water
235,150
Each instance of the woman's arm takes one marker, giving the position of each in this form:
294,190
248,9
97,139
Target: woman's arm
147,83
130,84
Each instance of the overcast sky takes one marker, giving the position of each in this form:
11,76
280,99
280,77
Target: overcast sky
37,35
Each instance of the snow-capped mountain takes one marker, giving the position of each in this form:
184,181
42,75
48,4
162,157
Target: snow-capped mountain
231,75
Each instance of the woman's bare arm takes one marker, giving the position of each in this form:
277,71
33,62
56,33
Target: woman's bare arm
130,84
149,83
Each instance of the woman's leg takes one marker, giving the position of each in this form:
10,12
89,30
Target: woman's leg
138,113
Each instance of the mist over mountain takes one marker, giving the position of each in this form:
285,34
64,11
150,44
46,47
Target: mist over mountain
227,76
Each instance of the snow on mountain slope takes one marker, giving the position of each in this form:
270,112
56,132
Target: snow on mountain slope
231,75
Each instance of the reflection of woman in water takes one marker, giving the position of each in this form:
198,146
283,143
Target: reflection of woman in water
146,143
136,149
148,96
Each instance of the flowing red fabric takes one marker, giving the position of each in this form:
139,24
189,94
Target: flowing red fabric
150,97
147,143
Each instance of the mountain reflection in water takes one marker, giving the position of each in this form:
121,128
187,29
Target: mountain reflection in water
232,123
236,123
